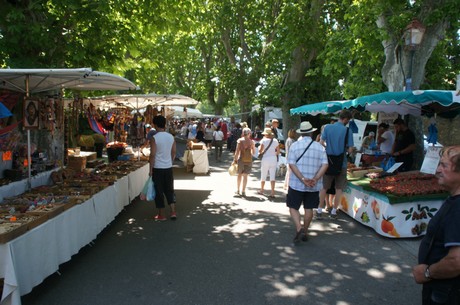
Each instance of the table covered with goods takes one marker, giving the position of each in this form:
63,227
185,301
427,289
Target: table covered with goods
394,205
42,228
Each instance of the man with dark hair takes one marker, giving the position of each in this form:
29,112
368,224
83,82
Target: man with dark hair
439,253
334,137
404,145
162,155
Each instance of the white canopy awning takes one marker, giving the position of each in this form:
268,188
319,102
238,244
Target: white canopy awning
141,101
42,80
178,111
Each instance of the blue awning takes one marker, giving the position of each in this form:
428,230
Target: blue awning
318,108
419,102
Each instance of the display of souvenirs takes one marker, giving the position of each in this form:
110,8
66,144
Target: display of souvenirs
407,184
21,213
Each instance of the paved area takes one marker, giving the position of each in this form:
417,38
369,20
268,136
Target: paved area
230,250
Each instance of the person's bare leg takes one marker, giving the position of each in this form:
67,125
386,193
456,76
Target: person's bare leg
245,182
238,183
272,184
262,186
307,218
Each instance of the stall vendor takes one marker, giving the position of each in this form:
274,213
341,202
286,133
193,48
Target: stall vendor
368,141
385,138
404,145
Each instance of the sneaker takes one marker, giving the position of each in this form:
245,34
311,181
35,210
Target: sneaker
319,216
159,218
173,216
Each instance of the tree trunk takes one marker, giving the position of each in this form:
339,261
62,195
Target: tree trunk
403,63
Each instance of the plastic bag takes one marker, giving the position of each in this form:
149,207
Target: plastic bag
148,192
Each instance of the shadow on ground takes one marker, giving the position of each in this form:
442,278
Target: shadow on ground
230,250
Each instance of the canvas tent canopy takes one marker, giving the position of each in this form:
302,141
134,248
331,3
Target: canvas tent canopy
141,101
420,102
318,108
32,81
178,111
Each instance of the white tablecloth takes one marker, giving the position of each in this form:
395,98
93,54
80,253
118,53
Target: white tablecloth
200,161
27,260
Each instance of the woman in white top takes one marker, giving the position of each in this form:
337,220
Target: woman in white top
269,147
385,138
218,137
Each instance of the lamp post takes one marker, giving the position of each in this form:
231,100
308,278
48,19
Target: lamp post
413,35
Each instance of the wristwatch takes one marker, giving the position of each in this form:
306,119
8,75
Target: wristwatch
427,273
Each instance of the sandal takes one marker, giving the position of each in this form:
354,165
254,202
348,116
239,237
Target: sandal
243,194
260,193
272,196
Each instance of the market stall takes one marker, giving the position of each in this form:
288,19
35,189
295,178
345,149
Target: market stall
47,113
54,241
399,205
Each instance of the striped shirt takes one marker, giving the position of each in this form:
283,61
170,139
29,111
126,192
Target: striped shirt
308,165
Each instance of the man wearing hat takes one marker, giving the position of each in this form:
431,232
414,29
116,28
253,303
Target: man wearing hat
307,161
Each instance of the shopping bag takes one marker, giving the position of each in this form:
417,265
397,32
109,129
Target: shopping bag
148,191
151,191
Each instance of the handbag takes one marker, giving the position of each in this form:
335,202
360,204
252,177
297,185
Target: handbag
262,153
233,169
336,161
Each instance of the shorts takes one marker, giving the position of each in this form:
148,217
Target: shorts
340,180
295,198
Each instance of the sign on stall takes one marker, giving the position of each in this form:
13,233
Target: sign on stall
394,167
431,160
358,159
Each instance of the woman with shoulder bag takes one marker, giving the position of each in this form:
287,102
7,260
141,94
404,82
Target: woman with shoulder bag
269,149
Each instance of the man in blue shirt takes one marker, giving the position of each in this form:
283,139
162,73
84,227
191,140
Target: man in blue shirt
333,138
